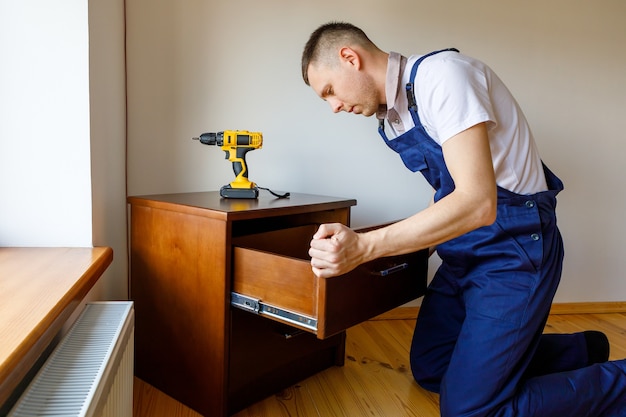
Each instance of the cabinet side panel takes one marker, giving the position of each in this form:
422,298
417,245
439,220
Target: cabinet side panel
179,265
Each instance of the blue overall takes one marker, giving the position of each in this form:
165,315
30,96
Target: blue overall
478,339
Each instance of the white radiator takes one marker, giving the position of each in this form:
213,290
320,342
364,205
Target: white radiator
90,372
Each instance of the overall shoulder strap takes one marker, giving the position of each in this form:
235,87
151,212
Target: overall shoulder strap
410,93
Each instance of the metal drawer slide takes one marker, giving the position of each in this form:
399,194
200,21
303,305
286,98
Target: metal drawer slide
256,306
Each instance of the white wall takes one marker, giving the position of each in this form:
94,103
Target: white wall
62,129
207,66
45,179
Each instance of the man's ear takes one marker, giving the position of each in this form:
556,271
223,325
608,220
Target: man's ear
350,57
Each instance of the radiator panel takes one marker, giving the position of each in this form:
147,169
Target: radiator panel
90,372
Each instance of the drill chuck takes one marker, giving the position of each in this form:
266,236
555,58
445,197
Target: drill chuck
211,138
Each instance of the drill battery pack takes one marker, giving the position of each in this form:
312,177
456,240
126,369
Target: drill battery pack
229,192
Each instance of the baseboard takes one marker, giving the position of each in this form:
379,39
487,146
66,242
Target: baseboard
409,313
589,308
399,313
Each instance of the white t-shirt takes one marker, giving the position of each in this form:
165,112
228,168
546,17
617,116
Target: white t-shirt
455,92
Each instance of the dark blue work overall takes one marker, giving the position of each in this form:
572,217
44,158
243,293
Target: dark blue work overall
478,339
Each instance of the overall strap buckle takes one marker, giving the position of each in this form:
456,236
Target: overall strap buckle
410,88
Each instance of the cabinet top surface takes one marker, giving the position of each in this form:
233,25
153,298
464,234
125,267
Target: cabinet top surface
212,204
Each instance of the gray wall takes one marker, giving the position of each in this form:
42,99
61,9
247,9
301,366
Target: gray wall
198,66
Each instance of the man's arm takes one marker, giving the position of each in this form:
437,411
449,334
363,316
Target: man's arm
336,249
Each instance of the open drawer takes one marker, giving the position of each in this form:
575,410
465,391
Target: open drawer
272,277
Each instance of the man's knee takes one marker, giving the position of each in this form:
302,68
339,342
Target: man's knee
425,374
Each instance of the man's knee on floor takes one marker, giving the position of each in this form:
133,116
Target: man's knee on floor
426,376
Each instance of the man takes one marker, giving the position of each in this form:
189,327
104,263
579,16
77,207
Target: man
478,339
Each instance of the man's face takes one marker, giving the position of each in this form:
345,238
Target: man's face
345,88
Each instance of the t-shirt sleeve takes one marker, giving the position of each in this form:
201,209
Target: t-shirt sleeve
452,96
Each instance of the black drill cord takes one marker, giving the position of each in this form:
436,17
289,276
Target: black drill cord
285,195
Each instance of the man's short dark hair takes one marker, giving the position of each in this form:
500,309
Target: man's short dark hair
324,38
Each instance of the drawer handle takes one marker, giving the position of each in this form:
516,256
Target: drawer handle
393,269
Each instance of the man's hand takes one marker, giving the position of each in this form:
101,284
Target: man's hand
334,250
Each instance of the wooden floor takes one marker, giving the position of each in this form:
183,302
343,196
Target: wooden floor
376,380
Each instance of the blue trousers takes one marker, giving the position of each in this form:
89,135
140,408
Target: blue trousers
478,339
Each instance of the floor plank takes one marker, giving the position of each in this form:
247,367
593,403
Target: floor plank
150,402
376,379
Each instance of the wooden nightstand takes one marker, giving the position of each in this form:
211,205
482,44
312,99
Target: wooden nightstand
195,254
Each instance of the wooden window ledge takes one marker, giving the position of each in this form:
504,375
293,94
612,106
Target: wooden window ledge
39,290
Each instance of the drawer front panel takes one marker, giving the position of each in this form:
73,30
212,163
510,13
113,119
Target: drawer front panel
371,289
266,357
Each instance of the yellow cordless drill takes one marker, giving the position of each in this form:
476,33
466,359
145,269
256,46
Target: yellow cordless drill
236,144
